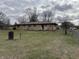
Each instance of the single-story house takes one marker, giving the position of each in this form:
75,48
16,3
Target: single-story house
37,26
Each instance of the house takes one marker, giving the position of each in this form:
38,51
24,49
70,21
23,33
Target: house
37,26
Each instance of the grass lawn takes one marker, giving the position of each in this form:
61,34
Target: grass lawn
38,45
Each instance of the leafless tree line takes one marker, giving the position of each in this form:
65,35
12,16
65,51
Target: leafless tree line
4,21
33,15
4,18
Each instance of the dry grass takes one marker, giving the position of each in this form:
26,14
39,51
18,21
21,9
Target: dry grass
38,45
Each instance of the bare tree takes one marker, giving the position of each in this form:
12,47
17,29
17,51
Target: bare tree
4,18
34,17
47,16
32,14
22,20
29,16
29,12
4,21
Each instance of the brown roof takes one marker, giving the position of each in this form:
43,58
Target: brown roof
37,23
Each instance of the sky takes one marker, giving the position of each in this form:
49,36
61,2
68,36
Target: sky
16,8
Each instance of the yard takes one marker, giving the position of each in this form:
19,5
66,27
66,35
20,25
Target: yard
38,45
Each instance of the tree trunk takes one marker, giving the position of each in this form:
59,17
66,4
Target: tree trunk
65,31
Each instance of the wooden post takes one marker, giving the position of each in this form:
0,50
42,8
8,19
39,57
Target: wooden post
42,27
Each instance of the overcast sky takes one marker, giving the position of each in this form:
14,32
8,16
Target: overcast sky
15,8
